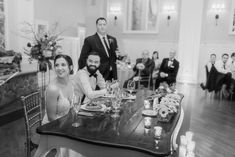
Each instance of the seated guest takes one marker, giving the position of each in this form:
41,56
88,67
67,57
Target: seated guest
232,66
211,74
59,95
157,63
87,79
224,75
168,70
142,69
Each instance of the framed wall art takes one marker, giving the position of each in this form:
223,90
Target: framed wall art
232,19
142,16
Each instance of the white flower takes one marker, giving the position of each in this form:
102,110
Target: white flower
47,53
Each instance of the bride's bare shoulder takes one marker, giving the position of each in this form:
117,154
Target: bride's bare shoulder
53,88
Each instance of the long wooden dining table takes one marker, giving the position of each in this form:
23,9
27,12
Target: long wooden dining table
103,136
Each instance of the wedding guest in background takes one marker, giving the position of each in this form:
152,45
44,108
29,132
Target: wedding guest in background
59,95
211,74
232,66
142,70
224,75
157,62
168,70
86,79
103,44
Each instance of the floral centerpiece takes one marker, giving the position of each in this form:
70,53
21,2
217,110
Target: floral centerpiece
168,106
43,48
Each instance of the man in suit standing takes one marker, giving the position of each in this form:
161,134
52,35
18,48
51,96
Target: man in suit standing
168,70
106,46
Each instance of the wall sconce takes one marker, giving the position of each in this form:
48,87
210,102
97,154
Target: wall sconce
217,9
115,10
169,9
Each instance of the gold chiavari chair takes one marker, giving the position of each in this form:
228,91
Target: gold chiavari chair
33,118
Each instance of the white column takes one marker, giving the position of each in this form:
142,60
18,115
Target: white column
189,39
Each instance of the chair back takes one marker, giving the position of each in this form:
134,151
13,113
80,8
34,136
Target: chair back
145,79
32,115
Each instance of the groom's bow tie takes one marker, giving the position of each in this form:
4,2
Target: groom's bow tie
94,75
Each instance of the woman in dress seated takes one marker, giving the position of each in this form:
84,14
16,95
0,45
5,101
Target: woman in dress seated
59,95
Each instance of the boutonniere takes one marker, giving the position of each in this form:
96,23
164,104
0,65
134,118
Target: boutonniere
110,41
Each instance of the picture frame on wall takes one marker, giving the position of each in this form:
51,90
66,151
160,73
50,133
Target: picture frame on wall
142,16
2,25
41,26
232,19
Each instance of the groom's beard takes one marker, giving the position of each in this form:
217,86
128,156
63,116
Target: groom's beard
91,69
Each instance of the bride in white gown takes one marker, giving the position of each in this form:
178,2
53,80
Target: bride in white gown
59,95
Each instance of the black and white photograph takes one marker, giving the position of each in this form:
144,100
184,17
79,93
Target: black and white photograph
117,78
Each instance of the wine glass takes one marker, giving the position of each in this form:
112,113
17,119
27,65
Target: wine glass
131,86
116,102
76,104
108,87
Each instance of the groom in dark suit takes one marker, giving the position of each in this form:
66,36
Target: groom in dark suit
168,70
106,46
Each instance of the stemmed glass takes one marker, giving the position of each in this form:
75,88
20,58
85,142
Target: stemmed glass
131,86
108,87
116,102
76,104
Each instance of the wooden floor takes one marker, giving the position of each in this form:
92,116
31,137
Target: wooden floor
212,121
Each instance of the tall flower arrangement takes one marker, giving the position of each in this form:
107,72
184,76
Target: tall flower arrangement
43,47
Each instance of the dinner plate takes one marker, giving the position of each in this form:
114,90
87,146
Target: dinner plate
103,107
150,113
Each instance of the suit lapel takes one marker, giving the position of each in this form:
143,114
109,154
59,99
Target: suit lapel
100,45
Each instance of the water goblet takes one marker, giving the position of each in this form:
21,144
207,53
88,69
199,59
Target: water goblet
76,104
116,105
131,86
108,87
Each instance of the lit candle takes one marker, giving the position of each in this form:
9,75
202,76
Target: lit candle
183,140
182,151
147,122
191,146
190,154
189,136
146,131
146,104
157,131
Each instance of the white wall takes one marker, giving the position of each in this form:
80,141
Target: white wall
68,14
215,39
133,44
